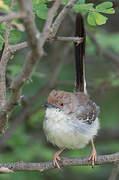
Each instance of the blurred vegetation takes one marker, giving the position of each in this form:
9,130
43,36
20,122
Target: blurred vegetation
24,139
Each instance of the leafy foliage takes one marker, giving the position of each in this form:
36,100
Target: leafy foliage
94,14
41,8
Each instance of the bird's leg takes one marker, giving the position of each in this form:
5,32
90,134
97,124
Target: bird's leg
93,154
56,157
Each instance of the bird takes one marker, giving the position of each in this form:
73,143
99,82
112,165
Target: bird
71,119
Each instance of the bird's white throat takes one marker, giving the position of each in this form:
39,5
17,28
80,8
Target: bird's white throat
64,130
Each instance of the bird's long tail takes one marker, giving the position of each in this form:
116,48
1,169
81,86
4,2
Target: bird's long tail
79,55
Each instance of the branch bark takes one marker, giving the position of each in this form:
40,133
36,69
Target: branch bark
10,16
35,42
4,60
32,57
61,16
17,47
43,166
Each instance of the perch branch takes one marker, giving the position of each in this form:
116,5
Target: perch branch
43,166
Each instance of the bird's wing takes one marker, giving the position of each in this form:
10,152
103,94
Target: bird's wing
88,113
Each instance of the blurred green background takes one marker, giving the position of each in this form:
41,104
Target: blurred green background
24,139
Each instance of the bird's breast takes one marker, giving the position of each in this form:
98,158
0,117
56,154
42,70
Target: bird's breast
66,131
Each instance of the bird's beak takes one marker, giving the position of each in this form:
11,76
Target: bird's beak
47,105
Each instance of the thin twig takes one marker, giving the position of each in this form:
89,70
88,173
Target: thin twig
43,166
17,47
10,16
47,27
61,16
74,39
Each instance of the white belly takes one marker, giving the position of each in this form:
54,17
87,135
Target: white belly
68,133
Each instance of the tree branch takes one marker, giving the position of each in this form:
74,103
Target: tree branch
61,38
36,52
35,42
3,65
43,166
47,27
61,16
13,48
10,16
17,47
4,60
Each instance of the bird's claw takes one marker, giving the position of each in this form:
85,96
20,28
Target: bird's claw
93,157
56,157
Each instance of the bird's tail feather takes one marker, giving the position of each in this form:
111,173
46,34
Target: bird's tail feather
79,55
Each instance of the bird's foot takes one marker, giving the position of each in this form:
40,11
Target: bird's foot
93,157
56,157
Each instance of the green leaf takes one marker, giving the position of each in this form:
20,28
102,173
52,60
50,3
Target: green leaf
100,19
88,6
15,36
108,11
104,5
40,9
78,2
65,2
95,18
91,18
83,8
3,26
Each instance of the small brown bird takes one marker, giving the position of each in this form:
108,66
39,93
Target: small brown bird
71,119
